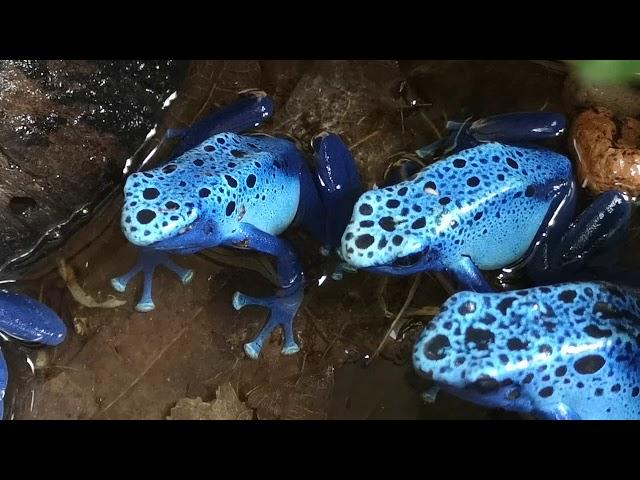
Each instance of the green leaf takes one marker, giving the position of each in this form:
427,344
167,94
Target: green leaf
607,71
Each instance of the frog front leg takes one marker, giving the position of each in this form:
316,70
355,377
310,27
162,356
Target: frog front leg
285,304
464,271
148,260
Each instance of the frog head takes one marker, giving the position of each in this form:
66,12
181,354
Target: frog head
479,348
187,203
392,227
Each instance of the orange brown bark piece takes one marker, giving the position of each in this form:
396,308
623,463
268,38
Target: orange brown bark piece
607,151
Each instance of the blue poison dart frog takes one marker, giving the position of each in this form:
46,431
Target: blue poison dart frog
26,320
568,351
490,206
240,191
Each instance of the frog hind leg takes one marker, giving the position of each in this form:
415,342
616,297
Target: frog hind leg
518,127
510,128
30,321
246,113
597,231
338,184
148,260
4,376
283,306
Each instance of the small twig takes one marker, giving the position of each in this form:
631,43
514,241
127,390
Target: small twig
423,312
304,360
368,137
382,302
150,366
312,319
394,324
253,390
338,335
431,124
546,102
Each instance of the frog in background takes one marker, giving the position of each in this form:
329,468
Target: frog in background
567,352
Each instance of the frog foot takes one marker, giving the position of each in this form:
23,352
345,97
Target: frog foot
283,308
340,270
147,263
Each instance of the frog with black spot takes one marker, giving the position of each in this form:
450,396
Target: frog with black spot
487,206
240,191
568,351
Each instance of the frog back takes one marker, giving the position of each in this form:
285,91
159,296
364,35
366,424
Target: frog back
489,202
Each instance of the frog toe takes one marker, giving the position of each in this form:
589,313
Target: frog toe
282,312
240,300
290,349
118,284
186,277
145,306
252,349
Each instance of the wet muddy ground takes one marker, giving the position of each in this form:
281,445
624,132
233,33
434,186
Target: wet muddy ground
121,364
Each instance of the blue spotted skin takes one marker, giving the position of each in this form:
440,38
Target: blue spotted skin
27,320
568,351
227,179
481,208
240,191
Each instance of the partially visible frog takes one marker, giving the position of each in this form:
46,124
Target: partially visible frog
240,191
490,206
26,320
567,351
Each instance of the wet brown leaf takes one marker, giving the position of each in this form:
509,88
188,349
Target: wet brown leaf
226,406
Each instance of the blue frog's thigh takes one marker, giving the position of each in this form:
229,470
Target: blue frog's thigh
518,127
26,319
338,184
246,113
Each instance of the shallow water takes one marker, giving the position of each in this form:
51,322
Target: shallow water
121,364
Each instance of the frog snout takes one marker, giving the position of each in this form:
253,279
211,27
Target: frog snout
145,224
